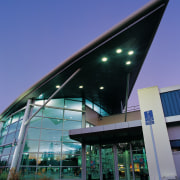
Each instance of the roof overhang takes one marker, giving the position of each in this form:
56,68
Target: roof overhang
134,33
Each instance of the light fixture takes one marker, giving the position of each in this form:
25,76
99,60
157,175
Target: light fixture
80,87
58,86
128,62
104,59
101,88
118,51
130,52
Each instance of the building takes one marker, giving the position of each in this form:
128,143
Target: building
74,123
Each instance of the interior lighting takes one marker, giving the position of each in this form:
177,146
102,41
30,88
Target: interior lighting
130,52
80,86
128,62
118,51
104,59
101,88
58,86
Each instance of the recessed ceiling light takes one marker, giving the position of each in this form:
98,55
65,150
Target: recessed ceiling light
128,62
101,88
58,86
130,52
80,86
118,51
104,59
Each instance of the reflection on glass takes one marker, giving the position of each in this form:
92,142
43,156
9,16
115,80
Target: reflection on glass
72,115
66,137
31,146
72,124
6,150
46,159
51,135
71,148
35,109
4,160
13,127
36,122
10,138
73,105
53,113
50,147
71,172
4,131
19,124
56,103
71,160
51,123
29,159
33,133
15,118
10,160
48,172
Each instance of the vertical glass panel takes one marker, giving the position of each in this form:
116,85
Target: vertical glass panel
10,160
4,131
35,109
29,159
71,148
33,133
13,127
15,118
8,122
97,108
66,137
12,149
46,159
36,122
19,124
4,160
48,172
54,113
31,146
21,115
16,135
28,173
6,150
56,103
52,123
71,172
10,138
1,150
71,160
51,135
73,115
39,102
2,140
72,124
73,105
50,147
89,103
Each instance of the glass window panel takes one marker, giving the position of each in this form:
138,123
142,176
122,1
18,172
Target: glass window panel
66,137
16,135
1,150
21,115
8,122
71,160
36,122
10,160
15,118
29,159
73,115
72,124
28,173
12,149
33,133
73,104
4,160
52,123
39,102
19,124
89,103
10,138
56,103
13,127
35,108
6,150
48,173
71,148
54,113
4,131
50,147
51,135
31,146
2,140
71,172
46,159
96,108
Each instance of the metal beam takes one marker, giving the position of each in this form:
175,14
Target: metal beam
53,95
127,93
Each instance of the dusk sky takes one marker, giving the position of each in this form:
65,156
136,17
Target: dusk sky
38,35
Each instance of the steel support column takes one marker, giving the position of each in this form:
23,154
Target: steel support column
127,93
20,139
83,161
116,174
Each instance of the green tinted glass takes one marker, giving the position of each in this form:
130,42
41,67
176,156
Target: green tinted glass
29,159
53,113
36,122
51,135
31,146
46,159
50,147
52,123
72,115
33,133
72,124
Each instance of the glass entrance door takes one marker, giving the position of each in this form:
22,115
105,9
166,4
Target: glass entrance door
107,157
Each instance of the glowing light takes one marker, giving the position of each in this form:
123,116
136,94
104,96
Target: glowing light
101,88
118,51
80,87
130,52
128,62
104,59
58,86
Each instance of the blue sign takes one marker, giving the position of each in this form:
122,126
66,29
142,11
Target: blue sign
149,119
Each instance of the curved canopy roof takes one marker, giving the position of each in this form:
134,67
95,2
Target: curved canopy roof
124,48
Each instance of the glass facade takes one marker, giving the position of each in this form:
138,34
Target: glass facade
48,150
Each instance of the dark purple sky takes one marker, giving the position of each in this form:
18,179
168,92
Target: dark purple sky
37,35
